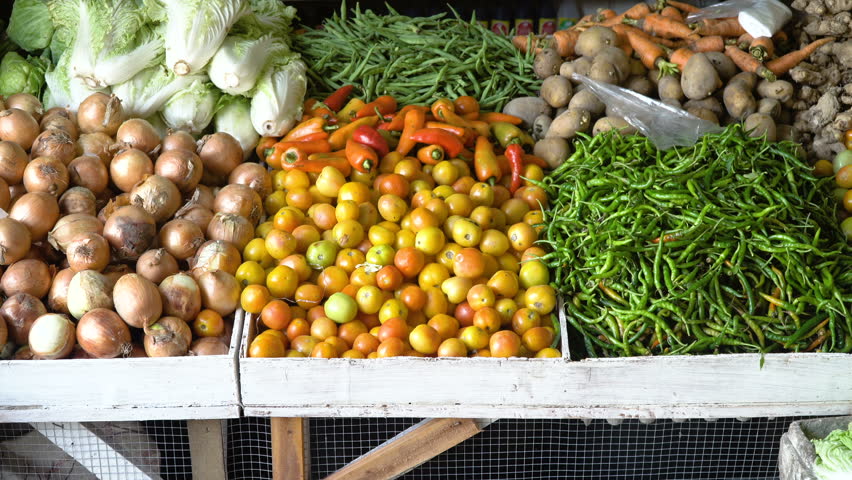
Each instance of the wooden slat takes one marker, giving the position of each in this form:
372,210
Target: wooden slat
206,449
288,449
409,449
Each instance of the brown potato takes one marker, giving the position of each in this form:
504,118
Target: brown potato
699,79
569,124
594,39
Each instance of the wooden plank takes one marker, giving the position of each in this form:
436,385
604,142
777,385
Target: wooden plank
288,449
206,449
410,448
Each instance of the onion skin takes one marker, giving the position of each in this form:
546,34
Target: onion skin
115,272
46,174
156,265
158,196
137,300
181,238
197,214
208,346
58,121
220,292
138,133
182,167
97,144
130,231
220,153
239,200
18,126
68,227
26,102
87,291
88,171
52,336
169,337
215,255
57,297
130,167
15,241
89,251
78,200
19,312
27,276
234,229
254,176
54,143
5,195
112,205
13,161
179,140
103,334
203,196
181,297
100,113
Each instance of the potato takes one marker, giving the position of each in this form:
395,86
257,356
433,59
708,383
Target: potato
669,87
593,40
672,102
556,91
704,114
699,79
560,111
582,66
724,66
553,150
709,103
769,106
760,124
606,124
746,78
640,85
654,76
569,124
527,109
588,101
566,69
618,59
541,125
547,63
780,90
636,67
786,132
739,102
604,72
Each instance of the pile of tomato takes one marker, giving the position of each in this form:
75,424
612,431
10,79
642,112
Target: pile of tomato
398,255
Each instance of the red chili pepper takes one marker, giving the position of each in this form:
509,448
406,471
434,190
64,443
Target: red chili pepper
336,100
367,135
361,157
385,105
451,143
515,154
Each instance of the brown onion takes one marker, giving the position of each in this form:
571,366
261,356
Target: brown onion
97,144
179,140
137,351
138,133
54,143
69,226
114,272
231,228
158,196
60,111
129,167
60,121
46,174
220,292
16,192
169,337
57,297
196,214
181,297
78,200
208,346
215,255
204,196
102,334
52,336
239,200
137,300
112,205
253,175
130,231
4,337
19,312
13,161
26,102
89,251
88,171
220,153
24,353
18,126
5,195
182,167
39,211
27,276
79,354
87,291
100,113
181,238
156,265
15,241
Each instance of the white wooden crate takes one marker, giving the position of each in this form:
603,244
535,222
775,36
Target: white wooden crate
122,389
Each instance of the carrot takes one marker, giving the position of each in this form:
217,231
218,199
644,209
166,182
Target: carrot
713,43
565,41
744,41
683,7
636,12
651,54
747,63
762,48
725,27
780,37
605,14
680,56
672,12
622,29
782,65
626,48
660,26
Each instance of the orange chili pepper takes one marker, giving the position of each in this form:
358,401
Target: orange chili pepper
532,159
485,163
340,136
466,105
444,110
480,127
503,162
431,154
492,117
398,122
385,105
451,142
316,162
361,157
264,147
460,131
414,120
313,125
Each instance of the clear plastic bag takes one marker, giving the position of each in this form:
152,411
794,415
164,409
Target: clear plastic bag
760,18
663,124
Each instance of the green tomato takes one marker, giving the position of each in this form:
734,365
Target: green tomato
321,254
341,308
380,255
846,226
839,193
842,159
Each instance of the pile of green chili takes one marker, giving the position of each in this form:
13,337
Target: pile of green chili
415,59
728,246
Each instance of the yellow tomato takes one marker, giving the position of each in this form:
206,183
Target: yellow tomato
432,276
506,307
443,192
540,298
494,242
330,181
282,282
296,179
250,273
466,233
459,204
535,219
456,288
534,272
280,243
509,262
522,236
349,258
504,283
355,191
482,194
346,210
405,238
255,251
447,254
274,202
392,208
392,308
483,216
380,255
370,299
263,229
474,338
445,173
481,296
429,240
379,235
436,303
348,233
253,298
279,179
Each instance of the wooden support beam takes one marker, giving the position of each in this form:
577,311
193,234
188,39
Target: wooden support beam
410,448
207,449
288,449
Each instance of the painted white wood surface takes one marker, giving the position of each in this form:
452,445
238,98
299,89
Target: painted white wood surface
122,389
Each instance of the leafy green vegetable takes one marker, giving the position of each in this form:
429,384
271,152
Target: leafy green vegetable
21,75
64,90
30,25
233,116
192,108
147,92
834,455
238,62
277,98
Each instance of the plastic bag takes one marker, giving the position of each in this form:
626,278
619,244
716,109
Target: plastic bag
663,124
759,18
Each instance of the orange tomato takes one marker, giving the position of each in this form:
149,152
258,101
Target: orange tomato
436,303
324,350
464,314
280,243
275,315
297,328
323,327
315,313
304,236
332,280
338,343
521,236
392,183
361,276
308,295
349,331
266,346
389,278
488,319
354,354
304,344
481,296
365,343
468,263
323,216
393,327
413,297
299,264
424,339
348,259
254,298
504,344
409,261
452,347
208,323
538,338
392,347
445,325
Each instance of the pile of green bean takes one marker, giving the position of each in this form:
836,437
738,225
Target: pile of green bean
415,59
729,246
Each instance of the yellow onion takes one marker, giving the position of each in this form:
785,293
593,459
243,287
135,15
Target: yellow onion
130,231
204,196
181,297
68,227
112,205
97,144
114,272
195,213
78,200
88,171
54,143
89,251
26,102
27,276
254,176
46,174
129,167
181,238
18,126
16,192
100,113
18,313
169,337
39,211
15,241
87,291
4,337
234,229
215,255
220,292
158,196
179,140
239,200
57,297
102,334
60,120
138,133
137,300
5,195
182,167
208,346
220,153
13,161
52,336
156,265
